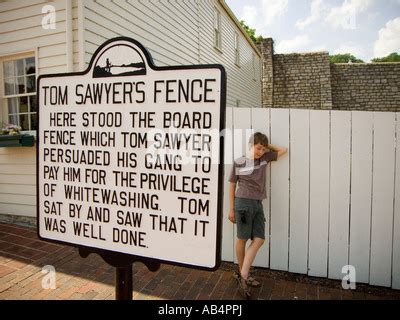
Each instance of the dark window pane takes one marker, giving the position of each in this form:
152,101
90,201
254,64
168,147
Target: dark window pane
31,83
23,104
33,103
34,122
9,86
29,65
13,105
13,119
21,84
24,121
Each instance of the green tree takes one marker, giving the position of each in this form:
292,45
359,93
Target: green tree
393,57
252,33
344,58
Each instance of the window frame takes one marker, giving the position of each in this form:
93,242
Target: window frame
4,99
253,64
237,48
217,30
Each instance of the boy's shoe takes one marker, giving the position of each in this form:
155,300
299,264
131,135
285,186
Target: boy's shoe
243,288
251,281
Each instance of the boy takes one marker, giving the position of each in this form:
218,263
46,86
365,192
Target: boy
246,209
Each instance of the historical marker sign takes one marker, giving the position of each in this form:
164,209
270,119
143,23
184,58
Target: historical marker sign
130,157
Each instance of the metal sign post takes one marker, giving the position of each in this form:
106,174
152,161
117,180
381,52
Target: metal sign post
130,160
123,269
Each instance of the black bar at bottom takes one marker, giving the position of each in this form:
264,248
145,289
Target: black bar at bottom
123,285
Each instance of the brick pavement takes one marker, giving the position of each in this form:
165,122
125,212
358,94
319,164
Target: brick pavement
23,255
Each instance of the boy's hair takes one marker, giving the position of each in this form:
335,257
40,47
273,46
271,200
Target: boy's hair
259,138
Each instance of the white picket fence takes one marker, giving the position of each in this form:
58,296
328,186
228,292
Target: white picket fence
334,200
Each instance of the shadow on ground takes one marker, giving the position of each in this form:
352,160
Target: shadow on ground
23,256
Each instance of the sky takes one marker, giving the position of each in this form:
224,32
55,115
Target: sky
365,28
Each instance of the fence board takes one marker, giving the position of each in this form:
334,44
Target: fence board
260,123
396,228
280,193
361,188
339,193
382,199
299,189
242,133
337,160
319,193
227,226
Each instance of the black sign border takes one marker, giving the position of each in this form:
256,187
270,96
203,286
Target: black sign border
117,257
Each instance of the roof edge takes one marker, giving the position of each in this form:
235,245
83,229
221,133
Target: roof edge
236,21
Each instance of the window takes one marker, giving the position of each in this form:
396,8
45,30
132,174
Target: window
19,78
217,30
253,63
237,50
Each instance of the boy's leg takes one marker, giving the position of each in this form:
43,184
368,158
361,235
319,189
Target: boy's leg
250,256
240,251
242,207
258,232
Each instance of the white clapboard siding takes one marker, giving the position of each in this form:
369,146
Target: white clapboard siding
299,189
177,33
361,188
100,19
18,210
396,227
260,123
339,193
241,135
16,157
29,22
120,18
18,181
382,199
53,50
227,226
280,192
20,189
28,200
11,10
20,169
22,29
319,193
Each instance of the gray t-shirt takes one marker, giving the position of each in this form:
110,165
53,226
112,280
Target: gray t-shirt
251,175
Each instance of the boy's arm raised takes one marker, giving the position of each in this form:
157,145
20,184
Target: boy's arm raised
280,150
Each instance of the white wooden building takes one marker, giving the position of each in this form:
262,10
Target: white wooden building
39,37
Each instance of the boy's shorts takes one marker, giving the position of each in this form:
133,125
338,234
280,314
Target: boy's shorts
250,219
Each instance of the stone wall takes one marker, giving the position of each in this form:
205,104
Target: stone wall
302,81
310,81
372,87
267,50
